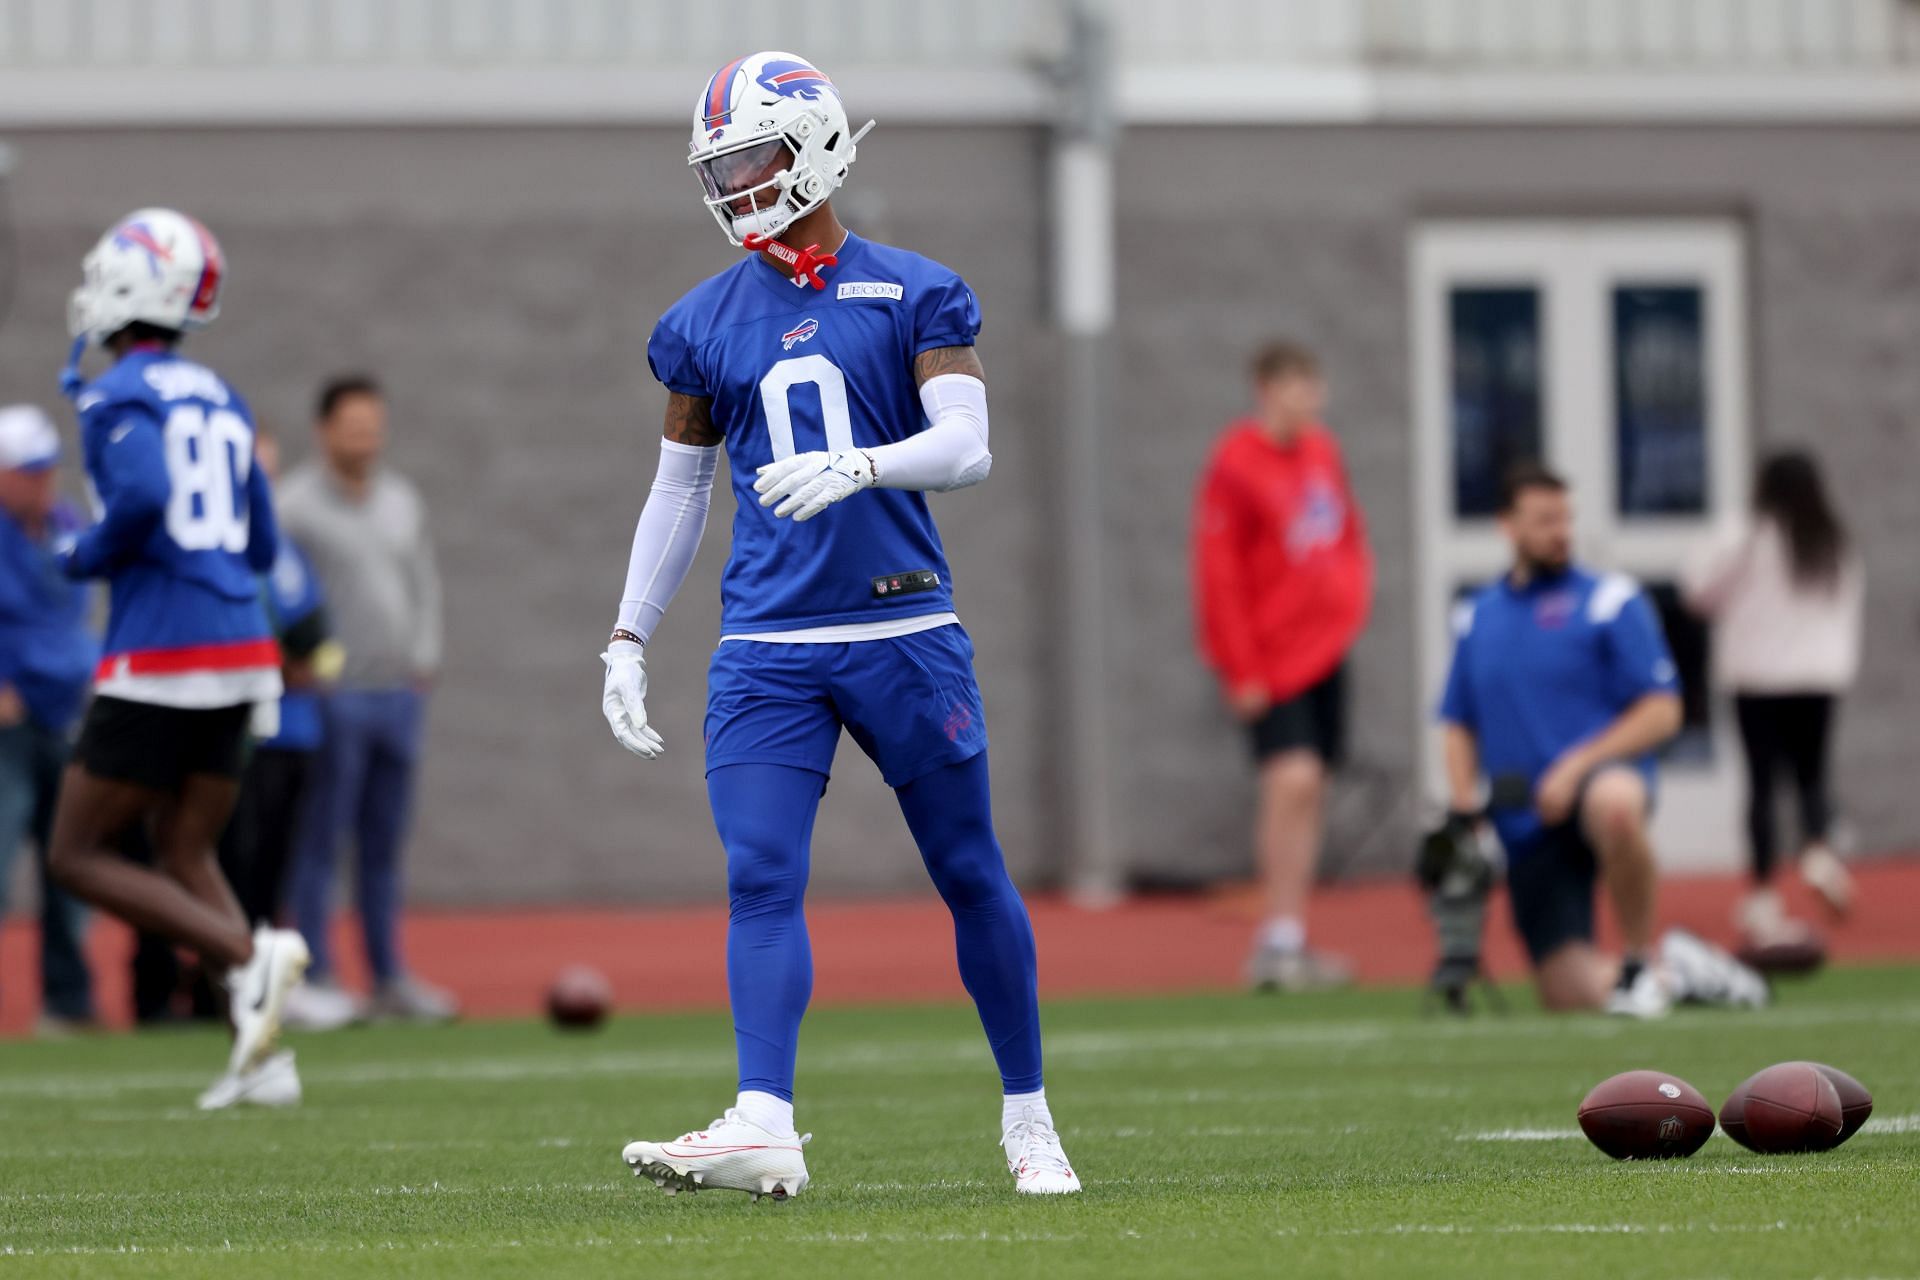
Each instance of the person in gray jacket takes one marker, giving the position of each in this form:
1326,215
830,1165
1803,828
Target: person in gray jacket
364,527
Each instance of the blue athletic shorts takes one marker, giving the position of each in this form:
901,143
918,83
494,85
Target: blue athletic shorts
911,702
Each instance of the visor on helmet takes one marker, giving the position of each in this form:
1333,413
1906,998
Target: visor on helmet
736,173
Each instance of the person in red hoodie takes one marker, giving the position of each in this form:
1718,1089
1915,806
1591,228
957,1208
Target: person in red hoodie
1283,578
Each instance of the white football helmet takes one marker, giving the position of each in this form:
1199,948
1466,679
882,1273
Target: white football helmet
770,136
156,266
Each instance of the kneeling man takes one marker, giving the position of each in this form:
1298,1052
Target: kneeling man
1562,687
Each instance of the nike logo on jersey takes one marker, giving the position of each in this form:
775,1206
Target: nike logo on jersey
799,333
120,433
875,289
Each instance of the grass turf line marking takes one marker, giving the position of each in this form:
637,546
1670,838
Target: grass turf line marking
1068,1046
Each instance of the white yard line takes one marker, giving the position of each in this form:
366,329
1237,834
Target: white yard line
1085,1047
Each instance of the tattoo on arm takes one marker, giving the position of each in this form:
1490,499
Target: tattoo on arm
690,421
939,360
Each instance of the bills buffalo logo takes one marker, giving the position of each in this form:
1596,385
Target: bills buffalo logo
799,333
795,80
1319,523
138,235
959,720
1554,610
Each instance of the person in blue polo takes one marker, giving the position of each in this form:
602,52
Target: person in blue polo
1561,689
47,656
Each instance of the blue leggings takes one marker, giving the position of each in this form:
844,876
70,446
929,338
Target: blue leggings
765,815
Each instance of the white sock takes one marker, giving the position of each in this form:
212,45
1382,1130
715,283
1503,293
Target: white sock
1285,933
771,1113
1014,1108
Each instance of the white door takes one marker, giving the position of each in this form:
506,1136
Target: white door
1615,351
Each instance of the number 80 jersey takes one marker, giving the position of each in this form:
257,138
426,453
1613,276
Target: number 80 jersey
796,369
186,525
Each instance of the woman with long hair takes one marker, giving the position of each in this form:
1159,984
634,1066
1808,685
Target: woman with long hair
1786,596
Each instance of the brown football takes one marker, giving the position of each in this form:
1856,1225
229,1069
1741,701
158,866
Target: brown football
1785,959
1856,1104
1790,1106
579,998
1646,1115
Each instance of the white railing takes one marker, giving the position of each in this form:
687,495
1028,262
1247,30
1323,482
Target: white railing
215,34
1511,34
270,61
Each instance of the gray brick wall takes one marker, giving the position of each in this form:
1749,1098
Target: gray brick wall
504,281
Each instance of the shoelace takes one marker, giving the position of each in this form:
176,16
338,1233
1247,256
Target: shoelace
732,1114
1038,1147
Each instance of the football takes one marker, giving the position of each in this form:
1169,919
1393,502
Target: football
1791,1106
1856,1104
579,998
1646,1115
1785,959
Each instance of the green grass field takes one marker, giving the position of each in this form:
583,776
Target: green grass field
1218,1136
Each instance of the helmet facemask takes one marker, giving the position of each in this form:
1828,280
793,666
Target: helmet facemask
751,189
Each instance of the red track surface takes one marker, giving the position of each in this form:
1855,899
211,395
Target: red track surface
501,962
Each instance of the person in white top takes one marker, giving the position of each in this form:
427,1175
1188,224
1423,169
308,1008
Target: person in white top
1786,597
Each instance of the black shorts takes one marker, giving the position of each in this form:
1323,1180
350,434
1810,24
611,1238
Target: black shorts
1314,719
1551,888
160,747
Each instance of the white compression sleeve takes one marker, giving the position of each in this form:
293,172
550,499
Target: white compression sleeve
668,534
952,452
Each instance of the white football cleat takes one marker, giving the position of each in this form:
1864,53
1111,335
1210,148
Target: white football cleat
274,1083
1701,973
731,1154
1036,1159
257,995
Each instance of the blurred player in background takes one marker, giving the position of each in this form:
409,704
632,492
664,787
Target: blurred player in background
259,840
364,526
47,656
186,524
826,365
1283,579
1562,686
1786,594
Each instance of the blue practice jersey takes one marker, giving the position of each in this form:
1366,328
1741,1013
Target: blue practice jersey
186,526
795,369
1544,667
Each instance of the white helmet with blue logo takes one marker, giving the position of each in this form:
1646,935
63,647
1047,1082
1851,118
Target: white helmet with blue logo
770,142
158,266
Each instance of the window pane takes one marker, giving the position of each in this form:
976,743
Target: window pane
1660,390
1496,396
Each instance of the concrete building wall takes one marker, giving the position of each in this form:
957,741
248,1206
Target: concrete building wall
503,283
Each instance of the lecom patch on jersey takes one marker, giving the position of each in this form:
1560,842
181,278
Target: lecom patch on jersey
871,289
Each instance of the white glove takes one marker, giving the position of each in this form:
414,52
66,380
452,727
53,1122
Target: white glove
808,483
624,700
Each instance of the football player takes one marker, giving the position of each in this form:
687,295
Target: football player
186,523
839,377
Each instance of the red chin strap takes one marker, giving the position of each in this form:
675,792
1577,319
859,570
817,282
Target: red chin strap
806,263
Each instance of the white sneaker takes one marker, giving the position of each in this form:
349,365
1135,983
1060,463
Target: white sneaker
1763,921
731,1154
319,1006
1827,876
1700,973
1645,997
1275,969
274,1083
1036,1159
257,995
